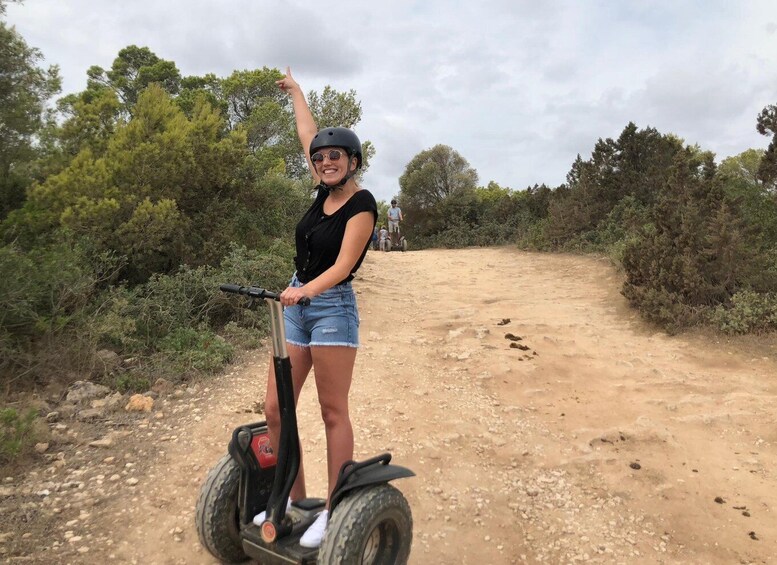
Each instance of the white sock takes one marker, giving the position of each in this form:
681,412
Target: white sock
259,518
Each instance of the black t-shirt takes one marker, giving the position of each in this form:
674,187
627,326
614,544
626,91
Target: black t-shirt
319,236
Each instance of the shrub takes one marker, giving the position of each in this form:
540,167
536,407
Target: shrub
663,308
46,303
17,433
132,382
535,236
200,350
616,251
242,337
748,312
137,318
693,255
170,323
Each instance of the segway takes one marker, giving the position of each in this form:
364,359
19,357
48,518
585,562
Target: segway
401,244
369,520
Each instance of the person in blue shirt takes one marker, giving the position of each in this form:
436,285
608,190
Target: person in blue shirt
394,217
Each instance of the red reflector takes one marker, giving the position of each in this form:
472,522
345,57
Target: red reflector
268,532
264,454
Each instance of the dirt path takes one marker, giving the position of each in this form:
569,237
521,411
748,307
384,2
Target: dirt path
602,441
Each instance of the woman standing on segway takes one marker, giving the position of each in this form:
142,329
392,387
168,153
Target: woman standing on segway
331,241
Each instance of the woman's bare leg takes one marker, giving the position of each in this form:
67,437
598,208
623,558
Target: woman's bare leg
301,361
333,368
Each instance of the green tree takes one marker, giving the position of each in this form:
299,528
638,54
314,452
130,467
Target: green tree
255,104
90,119
635,165
194,87
247,91
145,197
743,167
740,177
252,101
383,207
132,71
332,108
24,91
3,4
498,205
695,254
538,201
437,191
767,125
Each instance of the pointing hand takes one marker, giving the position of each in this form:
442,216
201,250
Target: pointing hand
287,83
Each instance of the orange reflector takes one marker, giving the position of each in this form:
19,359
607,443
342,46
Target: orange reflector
268,532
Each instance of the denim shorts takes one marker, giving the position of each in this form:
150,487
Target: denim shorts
331,318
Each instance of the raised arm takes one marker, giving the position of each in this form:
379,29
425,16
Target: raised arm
306,125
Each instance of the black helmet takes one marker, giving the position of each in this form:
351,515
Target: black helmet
393,202
338,137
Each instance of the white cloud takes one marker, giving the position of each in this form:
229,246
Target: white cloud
518,87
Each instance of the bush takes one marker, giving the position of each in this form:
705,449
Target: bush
132,382
170,323
17,433
693,255
46,303
242,337
613,234
535,237
663,308
56,311
138,318
42,288
748,312
200,350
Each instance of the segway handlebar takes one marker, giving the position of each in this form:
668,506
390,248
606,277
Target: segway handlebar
256,292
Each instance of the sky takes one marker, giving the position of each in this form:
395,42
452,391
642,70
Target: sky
518,87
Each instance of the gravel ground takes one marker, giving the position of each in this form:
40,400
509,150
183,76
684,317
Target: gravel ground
545,422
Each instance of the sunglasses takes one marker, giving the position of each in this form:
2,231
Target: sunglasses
334,155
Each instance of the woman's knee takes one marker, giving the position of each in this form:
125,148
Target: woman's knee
334,415
272,412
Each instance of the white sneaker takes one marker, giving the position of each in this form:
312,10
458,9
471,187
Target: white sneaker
315,533
259,518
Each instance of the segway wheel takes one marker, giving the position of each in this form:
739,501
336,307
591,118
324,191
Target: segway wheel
404,244
372,525
216,514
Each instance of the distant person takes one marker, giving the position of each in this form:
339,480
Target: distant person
384,238
394,217
375,238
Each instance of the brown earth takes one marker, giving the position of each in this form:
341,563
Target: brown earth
599,439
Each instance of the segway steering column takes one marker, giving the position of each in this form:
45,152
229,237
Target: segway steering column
288,463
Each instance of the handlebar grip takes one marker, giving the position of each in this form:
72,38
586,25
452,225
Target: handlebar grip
255,292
